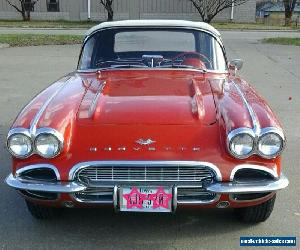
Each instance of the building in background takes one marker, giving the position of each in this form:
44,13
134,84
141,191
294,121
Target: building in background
77,10
272,12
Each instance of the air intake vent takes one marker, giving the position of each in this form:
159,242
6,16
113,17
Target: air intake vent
39,174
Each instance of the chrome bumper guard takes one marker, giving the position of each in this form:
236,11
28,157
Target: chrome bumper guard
217,187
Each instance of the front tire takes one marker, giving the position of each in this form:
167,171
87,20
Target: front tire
256,214
41,212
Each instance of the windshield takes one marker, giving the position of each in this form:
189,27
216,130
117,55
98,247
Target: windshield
152,48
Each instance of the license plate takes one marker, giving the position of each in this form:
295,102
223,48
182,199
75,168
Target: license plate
145,199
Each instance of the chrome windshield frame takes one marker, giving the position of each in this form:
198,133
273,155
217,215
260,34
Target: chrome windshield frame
218,39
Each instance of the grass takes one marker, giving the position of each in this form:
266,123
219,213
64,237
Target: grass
251,26
48,24
20,40
283,40
88,24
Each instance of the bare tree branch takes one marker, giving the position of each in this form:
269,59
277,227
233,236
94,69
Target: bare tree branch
25,12
208,9
107,4
13,5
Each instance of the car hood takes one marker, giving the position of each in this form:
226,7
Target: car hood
122,97
148,98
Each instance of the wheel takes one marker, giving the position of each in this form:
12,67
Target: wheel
41,212
256,214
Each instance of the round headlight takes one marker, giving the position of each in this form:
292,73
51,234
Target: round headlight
241,145
270,145
47,145
19,145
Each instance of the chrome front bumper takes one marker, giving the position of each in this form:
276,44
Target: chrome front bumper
216,187
44,186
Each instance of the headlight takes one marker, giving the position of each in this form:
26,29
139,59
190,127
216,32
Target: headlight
19,145
48,145
270,145
241,145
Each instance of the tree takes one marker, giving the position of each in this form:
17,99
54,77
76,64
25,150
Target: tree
208,9
107,4
289,6
24,7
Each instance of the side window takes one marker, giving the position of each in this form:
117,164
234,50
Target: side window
205,47
87,53
220,63
52,5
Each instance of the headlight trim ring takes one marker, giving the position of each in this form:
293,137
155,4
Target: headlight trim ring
32,138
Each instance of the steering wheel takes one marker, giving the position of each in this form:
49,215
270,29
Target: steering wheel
193,54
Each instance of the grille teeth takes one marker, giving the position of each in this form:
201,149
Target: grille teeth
145,173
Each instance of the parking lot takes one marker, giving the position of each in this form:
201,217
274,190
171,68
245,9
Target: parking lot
274,70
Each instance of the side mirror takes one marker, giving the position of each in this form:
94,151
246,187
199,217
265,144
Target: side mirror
235,64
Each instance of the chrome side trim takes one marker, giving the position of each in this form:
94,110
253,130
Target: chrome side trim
81,165
51,187
256,130
39,114
255,122
244,188
273,171
30,167
32,131
95,100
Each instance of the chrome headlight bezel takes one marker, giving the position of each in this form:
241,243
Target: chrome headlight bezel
55,134
239,132
19,131
274,131
256,140
32,138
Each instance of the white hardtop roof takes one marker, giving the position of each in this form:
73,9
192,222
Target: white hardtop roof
155,23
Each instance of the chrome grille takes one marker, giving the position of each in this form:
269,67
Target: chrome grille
101,195
146,173
184,195
194,194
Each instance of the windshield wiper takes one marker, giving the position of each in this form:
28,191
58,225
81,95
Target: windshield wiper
126,66
180,66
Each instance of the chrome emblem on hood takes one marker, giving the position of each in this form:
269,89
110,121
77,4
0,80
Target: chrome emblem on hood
145,141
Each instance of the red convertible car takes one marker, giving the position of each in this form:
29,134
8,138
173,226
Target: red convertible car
153,119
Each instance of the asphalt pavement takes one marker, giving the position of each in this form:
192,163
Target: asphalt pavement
274,70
